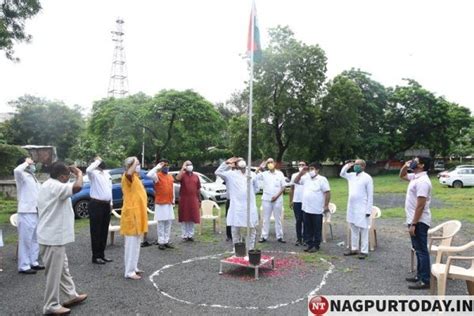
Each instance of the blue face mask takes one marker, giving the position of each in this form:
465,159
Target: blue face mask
413,165
165,169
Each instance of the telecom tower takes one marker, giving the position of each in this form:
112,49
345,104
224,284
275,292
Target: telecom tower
118,83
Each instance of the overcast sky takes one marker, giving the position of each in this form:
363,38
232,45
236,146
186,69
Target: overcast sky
197,44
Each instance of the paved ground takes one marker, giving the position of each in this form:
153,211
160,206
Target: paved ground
186,287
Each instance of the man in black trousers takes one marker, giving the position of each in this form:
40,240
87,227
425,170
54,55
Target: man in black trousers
100,206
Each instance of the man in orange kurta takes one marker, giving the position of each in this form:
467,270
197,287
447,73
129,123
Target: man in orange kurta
164,201
134,220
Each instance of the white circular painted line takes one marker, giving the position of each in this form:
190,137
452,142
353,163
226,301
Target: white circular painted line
312,292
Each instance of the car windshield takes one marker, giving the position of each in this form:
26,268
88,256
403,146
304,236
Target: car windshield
205,179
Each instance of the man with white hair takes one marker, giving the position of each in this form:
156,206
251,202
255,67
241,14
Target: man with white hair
236,183
359,206
27,194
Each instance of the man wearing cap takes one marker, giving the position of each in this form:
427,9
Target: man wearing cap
164,201
27,187
189,200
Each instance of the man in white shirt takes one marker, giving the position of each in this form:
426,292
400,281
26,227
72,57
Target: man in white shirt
418,217
359,206
236,183
27,188
272,198
55,230
316,196
100,206
296,199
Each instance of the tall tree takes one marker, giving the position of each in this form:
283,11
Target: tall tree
341,119
288,86
13,14
39,121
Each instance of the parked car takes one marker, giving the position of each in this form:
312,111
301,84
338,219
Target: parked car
458,177
210,190
80,200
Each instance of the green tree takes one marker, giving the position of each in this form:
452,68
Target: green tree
38,121
341,120
13,14
288,85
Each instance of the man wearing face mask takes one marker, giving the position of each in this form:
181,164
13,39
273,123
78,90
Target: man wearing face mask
316,196
164,201
236,183
55,231
272,198
189,200
27,187
418,217
359,206
100,206
296,198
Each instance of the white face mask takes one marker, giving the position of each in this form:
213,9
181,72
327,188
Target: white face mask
189,168
312,173
241,164
138,169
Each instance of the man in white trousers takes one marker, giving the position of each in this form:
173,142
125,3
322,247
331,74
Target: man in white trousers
236,183
164,201
27,187
359,206
272,198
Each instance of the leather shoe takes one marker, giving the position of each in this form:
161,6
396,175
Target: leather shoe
313,249
420,285
362,256
308,249
98,261
60,311
350,253
145,244
29,271
190,239
262,240
38,267
107,259
78,299
161,247
281,240
412,279
169,245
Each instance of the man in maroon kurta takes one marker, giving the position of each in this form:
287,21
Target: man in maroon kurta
189,200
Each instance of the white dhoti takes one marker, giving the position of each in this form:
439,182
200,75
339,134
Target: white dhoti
132,253
239,233
164,214
357,231
187,229
275,208
28,248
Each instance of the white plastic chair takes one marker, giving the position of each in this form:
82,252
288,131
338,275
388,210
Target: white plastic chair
327,224
14,223
207,208
440,272
376,213
448,230
115,228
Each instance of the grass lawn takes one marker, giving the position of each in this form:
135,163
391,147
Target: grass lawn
457,203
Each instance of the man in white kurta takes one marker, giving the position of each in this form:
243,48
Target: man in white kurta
359,206
27,187
236,183
272,199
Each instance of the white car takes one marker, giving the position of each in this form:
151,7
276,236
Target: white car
210,190
458,177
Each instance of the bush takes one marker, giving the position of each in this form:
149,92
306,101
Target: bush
9,154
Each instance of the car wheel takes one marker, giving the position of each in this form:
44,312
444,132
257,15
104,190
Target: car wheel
457,184
81,209
150,201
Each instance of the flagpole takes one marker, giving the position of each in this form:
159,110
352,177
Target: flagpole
250,113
